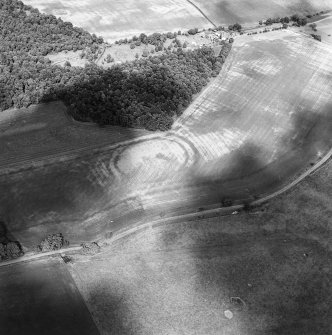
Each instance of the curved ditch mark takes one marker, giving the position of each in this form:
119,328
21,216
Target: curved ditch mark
222,211
205,16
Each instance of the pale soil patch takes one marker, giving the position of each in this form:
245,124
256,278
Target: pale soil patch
73,57
119,19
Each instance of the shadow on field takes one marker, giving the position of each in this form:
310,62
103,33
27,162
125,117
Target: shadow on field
240,176
40,297
114,314
284,282
310,131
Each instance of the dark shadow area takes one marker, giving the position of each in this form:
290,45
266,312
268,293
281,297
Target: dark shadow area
113,315
283,282
247,176
40,297
242,176
147,93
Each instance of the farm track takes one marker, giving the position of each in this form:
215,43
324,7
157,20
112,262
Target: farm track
192,4
194,215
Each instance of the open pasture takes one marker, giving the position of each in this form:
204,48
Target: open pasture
251,11
262,121
324,29
40,297
119,19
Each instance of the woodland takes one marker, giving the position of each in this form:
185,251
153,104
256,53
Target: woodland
148,93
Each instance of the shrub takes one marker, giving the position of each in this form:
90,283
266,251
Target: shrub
90,248
237,27
132,46
52,242
10,250
193,31
317,37
313,26
226,202
67,63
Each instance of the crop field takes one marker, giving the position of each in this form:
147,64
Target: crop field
32,133
251,11
264,119
119,19
40,297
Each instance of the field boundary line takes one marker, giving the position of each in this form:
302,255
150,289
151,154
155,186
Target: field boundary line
27,258
205,16
222,211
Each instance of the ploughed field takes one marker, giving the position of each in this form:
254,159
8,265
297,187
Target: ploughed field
263,120
251,11
118,19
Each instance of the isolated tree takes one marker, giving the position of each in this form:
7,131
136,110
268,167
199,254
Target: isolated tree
313,26
237,27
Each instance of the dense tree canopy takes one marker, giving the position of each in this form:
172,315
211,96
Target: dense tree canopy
147,92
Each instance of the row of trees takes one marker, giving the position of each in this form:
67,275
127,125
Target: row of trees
148,92
297,19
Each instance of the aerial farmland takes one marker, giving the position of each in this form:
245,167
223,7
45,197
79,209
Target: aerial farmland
167,168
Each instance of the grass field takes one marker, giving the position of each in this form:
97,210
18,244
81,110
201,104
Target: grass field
324,28
261,122
251,11
40,297
179,278
118,19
